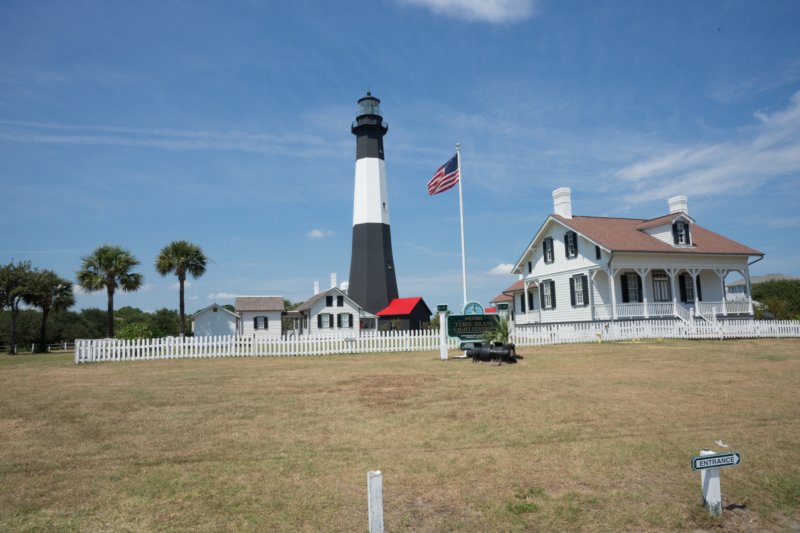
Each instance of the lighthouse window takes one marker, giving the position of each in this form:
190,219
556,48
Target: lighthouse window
384,206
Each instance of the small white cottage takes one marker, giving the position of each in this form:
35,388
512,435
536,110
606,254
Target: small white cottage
260,316
333,313
214,320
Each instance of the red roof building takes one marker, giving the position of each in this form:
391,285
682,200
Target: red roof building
404,314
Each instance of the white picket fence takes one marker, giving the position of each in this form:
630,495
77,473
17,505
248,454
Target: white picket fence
96,350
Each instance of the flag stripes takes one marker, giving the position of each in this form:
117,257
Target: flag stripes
445,177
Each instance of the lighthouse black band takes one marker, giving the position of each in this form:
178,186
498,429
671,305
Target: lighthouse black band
372,278
369,130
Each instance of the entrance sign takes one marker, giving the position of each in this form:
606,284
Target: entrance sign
719,460
471,327
473,308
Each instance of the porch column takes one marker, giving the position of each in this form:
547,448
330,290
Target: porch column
611,273
591,292
694,272
525,298
642,272
672,272
721,272
749,290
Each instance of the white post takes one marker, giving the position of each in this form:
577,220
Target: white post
443,335
461,211
712,494
375,501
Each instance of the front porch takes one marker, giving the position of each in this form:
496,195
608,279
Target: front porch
637,292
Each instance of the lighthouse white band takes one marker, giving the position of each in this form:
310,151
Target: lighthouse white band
371,201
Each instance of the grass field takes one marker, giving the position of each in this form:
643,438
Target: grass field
573,438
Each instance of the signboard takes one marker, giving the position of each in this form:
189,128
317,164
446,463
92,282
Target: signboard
471,327
719,460
473,308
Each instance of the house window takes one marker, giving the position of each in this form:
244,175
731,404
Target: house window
631,287
522,302
571,244
548,288
345,320
530,267
530,300
661,288
547,245
214,310
680,233
687,288
324,321
329,301
260,322
579,290
597,254
339,301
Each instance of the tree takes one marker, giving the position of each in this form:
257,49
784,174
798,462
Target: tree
14,281
109,266
501,333
134,331
780,297
48,291
181,258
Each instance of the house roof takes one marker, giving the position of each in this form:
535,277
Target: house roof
663,220
502,297
258,303
308,304
625,235
402,306
210,307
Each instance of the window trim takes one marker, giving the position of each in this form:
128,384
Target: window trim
661,278
547,250
571,244
265,322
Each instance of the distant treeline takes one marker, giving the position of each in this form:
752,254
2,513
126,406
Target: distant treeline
780,299
66,326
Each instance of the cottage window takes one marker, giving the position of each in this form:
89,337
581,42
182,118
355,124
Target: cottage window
687,288
631,287
548,288
329,301
530,267
339,301
571,244
260,322
344,321
324,320
680,233
547,247
579,290
530,300
597,254
661,289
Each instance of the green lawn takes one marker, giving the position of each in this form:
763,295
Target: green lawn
575,437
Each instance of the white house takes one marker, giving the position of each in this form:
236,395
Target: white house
582,268
260,316
333,313
214,320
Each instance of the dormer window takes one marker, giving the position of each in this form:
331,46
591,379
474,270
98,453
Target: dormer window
547,250
571,244
680,233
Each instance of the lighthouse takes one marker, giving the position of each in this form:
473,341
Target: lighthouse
372,277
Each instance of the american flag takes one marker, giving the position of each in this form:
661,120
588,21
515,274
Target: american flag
444,178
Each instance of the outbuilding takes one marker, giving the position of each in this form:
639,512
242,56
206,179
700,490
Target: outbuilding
404,314
214,320
260,315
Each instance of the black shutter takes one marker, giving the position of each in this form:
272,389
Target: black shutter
351,319
255,322
266,322
319,321
639,286
522,302
566,245
682,286
575,238
572,291
675,233
624,279
553,293
585,291
530,300
597,254
339,320
541,295
530,267
699,290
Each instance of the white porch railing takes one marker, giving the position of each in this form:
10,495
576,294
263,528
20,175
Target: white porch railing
660,309
683,313
738,307
531,317
630,310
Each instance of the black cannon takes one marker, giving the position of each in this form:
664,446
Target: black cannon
501,353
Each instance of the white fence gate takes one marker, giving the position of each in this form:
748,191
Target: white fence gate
96,350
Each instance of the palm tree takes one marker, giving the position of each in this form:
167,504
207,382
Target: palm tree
181,258
14,281
110,267
48,291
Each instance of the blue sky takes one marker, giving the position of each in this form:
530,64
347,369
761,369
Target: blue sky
227,123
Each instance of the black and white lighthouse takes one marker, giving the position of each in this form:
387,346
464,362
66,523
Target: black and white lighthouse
372,278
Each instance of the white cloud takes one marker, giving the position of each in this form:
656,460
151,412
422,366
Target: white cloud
765,151
493,11
319,234
503,269
147,287
221,296
77,289
176,286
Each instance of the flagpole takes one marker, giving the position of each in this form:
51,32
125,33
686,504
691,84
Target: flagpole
461,211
